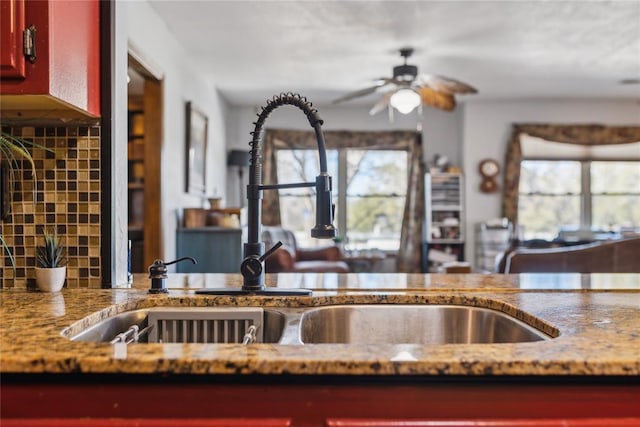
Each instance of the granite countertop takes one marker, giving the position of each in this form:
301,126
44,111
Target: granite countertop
595,319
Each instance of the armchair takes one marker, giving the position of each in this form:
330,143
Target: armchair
291,258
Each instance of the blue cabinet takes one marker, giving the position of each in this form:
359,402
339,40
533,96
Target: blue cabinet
217,249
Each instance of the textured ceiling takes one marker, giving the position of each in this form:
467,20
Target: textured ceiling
254,49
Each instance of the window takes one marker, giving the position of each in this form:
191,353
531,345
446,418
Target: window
297,205
557,195
369,189
549,197
615,195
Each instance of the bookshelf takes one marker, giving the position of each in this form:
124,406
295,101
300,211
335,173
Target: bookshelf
444,222
136,187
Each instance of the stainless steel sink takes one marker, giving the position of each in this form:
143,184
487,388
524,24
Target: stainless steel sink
413,324
185,325
108,329
348,324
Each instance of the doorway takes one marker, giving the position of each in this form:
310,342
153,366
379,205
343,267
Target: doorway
144,154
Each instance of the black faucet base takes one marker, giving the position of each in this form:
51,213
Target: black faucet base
263,292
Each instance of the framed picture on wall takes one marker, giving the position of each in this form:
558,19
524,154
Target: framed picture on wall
196,141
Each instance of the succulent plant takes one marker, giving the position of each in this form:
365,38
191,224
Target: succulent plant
53,253
9,254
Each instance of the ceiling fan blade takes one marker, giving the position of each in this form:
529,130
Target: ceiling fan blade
358,93
381,104
446,85
443,101
381,81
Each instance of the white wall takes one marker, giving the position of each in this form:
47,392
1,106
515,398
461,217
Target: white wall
487,128
181,82
442,131
118,219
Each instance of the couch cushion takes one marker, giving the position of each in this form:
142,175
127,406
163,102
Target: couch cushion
320,267
272,235
279,261
620,256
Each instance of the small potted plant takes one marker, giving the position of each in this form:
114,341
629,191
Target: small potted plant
51,259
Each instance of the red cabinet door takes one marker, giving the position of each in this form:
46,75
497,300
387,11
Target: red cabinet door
11,25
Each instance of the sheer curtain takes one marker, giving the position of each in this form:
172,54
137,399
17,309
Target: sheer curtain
408,259
564,134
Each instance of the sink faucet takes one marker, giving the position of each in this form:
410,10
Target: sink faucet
252,267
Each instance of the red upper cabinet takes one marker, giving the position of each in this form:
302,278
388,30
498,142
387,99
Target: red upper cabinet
65,73
11,27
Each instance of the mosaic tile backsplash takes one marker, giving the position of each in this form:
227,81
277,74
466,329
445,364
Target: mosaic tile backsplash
66,196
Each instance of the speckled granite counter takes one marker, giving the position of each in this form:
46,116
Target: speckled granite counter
596,319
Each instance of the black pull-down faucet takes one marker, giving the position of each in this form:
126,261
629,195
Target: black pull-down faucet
252,267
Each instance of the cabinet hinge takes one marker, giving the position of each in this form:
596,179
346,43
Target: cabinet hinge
29,43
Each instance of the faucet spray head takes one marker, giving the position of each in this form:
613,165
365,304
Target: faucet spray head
327,232
324,228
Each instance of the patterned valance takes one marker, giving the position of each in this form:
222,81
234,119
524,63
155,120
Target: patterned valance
580,134
292,139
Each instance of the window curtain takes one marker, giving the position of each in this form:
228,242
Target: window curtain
565,134
408,259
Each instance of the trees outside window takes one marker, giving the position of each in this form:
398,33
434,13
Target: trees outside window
369,190
615,195
568,195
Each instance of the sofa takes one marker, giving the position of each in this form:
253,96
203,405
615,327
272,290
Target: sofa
611,256
291,258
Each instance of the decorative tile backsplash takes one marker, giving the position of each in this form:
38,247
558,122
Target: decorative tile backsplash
67,196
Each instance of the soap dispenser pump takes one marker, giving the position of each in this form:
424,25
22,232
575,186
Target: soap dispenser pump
158,274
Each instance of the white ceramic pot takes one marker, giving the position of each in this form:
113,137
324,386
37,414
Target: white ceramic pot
50,279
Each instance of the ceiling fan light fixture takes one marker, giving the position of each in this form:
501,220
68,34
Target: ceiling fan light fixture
405,100
407,90
405,73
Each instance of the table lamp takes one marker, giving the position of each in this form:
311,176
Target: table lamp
240,159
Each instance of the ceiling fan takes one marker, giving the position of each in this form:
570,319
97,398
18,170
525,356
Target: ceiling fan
407,89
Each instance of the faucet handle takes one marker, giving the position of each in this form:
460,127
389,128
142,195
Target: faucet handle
251,266
270,251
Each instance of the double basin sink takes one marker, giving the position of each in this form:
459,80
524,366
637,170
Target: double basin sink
335,324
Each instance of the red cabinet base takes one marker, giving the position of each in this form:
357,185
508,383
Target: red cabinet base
318,402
